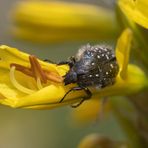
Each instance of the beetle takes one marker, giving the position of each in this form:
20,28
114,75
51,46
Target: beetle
92,66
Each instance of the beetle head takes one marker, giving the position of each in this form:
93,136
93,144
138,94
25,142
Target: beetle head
70,77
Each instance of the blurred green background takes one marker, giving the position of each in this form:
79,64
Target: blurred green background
21,128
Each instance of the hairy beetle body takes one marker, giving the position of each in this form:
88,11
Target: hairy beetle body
94,66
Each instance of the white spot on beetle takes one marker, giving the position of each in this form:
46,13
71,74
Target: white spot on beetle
107,57
97,75
111,65
98,57
105,49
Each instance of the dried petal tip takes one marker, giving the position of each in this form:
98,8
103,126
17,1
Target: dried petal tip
98,141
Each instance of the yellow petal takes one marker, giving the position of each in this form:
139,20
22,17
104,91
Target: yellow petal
123,51
12,96
55,21
10,55
135,10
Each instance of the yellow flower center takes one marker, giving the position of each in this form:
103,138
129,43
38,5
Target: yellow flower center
41,75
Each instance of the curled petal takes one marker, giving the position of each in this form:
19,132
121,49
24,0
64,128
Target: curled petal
123,51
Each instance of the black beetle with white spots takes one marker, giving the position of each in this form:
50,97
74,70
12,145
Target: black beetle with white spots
93,66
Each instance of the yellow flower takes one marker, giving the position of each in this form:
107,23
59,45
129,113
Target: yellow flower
91,110
55,21
31,83
136,17
23,84
129,80
135,10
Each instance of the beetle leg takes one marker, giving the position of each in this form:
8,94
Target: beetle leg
72,59
78,104
64,62
104,101
70,62
72,89
87,91
89,94
49,61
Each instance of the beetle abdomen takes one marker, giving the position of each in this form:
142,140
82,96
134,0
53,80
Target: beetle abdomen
96,65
